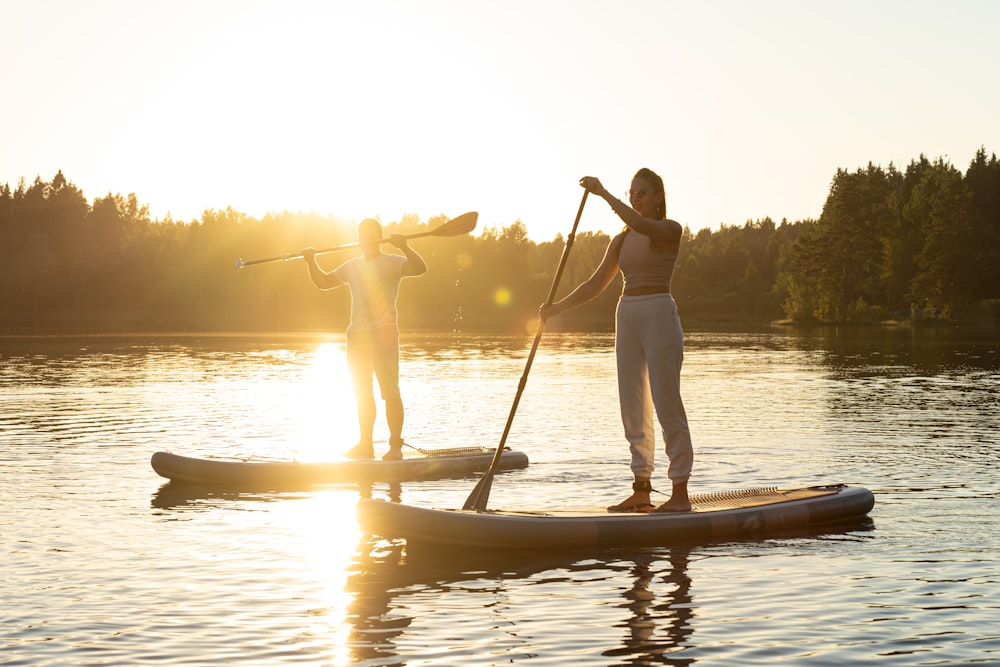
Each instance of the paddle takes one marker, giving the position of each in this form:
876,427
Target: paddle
481,494
463,224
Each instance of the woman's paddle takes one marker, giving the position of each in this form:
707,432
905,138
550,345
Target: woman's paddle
481,494
463,224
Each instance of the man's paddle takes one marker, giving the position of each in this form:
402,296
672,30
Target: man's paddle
481,494
463,224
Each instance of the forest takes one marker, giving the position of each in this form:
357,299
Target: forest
917,245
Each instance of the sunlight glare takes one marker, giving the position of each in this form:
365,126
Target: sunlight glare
329,535
353,129
326,412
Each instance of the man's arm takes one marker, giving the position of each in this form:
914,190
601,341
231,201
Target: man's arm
415,264
320,278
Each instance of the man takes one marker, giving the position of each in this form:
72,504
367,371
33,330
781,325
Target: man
373,333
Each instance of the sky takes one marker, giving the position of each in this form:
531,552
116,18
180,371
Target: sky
382,108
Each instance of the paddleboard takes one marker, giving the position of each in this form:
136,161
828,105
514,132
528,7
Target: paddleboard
257,473
730,514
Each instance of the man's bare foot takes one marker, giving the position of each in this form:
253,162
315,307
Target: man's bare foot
637,502
361,451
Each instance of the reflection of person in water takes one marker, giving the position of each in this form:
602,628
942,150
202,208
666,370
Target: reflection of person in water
644,643
384,577
372,589
373,628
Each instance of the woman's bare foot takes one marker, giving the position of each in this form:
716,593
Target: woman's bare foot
679,501
675,505
637,502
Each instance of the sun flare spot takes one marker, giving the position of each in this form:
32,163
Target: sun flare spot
502,296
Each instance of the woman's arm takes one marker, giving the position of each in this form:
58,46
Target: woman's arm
592,287
660,230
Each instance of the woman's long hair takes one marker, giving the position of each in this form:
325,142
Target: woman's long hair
657,182
661,208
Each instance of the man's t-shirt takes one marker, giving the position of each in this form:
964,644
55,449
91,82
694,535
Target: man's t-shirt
374,286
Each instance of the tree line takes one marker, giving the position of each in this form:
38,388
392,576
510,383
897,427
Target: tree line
920,243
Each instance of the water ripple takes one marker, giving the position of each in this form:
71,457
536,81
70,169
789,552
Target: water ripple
105,563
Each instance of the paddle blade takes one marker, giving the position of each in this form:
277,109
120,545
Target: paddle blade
481,494
463,224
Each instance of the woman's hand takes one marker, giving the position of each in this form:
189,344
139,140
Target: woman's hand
593,185
545,311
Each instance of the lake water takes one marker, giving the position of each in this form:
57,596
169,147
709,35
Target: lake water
104,563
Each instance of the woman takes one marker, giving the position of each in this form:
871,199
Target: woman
649,343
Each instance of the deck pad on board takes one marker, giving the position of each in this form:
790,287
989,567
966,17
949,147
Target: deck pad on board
708,502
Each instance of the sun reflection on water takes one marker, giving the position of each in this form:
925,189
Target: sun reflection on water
327,536
323,407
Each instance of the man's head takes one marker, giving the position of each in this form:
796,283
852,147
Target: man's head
370,233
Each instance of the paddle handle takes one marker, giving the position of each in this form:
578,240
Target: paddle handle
462,224
481,493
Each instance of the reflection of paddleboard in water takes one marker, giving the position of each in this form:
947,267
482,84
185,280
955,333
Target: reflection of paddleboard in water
734,514
270,473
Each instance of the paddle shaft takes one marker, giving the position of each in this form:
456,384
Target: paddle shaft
463,224
481,493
